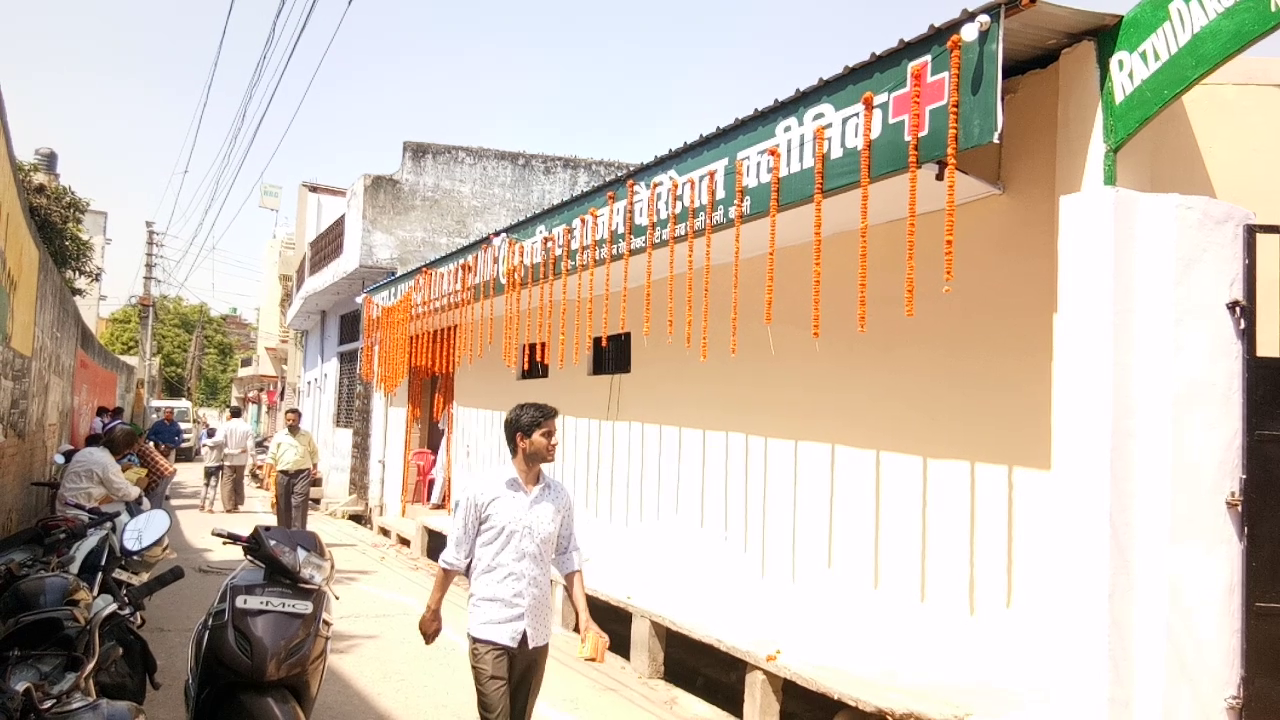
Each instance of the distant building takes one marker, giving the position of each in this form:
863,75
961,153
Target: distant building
257,385
441,198
95,226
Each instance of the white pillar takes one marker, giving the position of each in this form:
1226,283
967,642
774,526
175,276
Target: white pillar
763,697
1146,445
648,647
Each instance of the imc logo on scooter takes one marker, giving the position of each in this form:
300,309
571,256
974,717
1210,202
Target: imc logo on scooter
276,604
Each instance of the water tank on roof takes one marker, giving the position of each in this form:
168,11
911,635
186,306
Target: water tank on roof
47,160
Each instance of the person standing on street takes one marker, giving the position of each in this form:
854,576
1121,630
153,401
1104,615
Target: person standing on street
294,459
237,438
512,529
115,418
212,448
167,433
160,472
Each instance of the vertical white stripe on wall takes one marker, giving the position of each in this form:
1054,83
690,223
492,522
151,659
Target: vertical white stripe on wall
620,440
604,470
901,498
714,487
812,511
689,496
635,473
650,473
853,518
946,534
669,474
581,458
755,504
736,494
779,510
991,537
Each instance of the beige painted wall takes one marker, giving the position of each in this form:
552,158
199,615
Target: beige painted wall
1218,141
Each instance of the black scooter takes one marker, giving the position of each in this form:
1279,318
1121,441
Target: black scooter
261,651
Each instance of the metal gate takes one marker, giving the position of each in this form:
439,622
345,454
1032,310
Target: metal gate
1261,492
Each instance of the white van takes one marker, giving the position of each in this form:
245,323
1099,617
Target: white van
184,414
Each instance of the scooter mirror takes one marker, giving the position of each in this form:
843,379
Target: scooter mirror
144,531
59,459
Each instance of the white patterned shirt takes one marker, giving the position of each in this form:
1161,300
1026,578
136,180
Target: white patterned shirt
512,538
237,438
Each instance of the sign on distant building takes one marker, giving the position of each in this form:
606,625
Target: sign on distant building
1161,49
270,198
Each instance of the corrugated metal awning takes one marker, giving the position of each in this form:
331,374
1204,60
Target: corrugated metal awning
1036,33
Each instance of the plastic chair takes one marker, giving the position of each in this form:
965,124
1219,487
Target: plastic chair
423,461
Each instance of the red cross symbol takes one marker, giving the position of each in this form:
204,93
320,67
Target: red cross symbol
934,92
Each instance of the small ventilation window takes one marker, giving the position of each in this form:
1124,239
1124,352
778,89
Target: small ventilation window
612,357
533,362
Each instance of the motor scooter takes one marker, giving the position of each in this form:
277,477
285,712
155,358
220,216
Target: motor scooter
261,651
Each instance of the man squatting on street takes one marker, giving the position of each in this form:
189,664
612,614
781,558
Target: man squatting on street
512,528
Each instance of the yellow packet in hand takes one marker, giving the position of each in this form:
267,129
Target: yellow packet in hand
593,649
136,475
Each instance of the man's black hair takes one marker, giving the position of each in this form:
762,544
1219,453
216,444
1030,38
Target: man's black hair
102,411
120,439
236,411
294,411
525,419
93,440
117,412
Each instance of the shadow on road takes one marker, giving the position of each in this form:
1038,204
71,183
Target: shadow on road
173,614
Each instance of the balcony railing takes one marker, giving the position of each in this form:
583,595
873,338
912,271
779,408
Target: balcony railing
327,246
300,275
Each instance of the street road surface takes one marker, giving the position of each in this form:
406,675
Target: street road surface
379,668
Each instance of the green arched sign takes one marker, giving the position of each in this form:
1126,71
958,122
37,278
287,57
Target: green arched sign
1162,48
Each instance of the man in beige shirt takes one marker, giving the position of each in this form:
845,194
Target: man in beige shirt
293,459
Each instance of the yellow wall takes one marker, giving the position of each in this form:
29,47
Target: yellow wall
19,261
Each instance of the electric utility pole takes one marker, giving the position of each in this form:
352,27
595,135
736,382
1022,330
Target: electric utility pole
148,309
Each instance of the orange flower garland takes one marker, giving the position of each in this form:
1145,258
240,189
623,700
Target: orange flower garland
913,184
953,150
473,332
864,226
706,269
688,279
529,352
542,302
548,273
819,176
508,280
366,344
492,264
775,182
648,256
578,306
626,254
591,280
737,257
608,272
671,263
564,293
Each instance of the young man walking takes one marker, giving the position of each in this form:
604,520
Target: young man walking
237,439
212,447
512,529
294,459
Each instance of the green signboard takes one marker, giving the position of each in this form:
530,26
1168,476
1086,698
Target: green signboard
709,165
1162,48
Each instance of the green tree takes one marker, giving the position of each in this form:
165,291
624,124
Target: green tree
177,324
58,214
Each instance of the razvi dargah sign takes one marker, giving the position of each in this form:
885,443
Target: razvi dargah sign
1162,48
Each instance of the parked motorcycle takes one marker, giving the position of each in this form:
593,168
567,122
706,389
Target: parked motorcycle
51,648
261,650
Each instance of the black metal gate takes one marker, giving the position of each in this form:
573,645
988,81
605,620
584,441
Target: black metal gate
1261,500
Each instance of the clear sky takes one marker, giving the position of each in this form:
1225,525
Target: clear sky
112,87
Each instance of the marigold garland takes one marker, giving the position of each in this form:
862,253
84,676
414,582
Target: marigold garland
819,176
671,263
706,269
608,272
626,255
591,280
953,151
688,281
578,305
473,332
545,322
564,295
737,257
864,225
366,346
542,303
648,256
775,182
492,265
517,319
913,184
508,280
529,339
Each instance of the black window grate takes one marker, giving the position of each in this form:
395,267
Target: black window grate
613,358
349,328
344,410
530,367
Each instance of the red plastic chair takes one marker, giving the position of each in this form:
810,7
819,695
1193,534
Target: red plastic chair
423,461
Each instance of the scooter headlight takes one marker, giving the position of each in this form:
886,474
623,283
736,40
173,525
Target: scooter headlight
284,554
313,568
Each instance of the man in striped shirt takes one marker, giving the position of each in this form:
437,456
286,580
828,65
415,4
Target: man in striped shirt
237,456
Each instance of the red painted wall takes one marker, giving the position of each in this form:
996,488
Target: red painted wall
91,386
